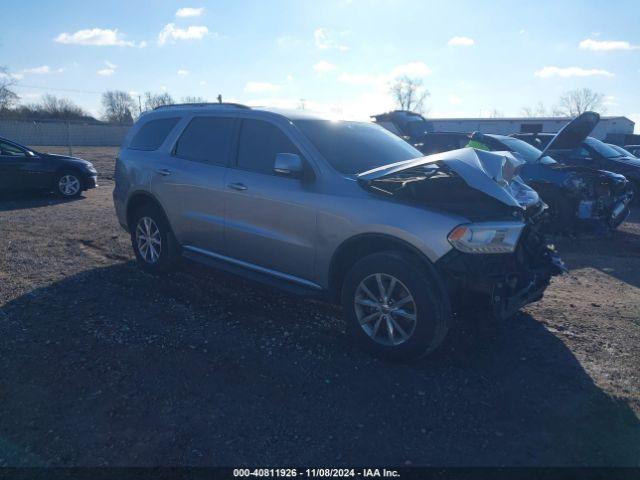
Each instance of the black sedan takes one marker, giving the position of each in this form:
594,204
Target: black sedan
22,168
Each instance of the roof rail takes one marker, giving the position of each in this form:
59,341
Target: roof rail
206,104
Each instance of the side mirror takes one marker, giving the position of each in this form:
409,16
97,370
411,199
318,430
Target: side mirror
288,164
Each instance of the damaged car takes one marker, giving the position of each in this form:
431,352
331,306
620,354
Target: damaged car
579,198
342,210
573,146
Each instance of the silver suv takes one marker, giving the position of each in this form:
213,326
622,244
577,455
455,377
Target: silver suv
342,210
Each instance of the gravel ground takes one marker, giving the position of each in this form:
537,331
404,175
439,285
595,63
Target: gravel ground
103,364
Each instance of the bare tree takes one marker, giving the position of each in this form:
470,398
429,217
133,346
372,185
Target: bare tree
580,100
194,99
155,100
118,106
495,113
8,98
538,110
409,94
54,107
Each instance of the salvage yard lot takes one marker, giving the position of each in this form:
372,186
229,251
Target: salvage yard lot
103,364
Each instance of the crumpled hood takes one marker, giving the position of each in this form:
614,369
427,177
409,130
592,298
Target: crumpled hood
493,173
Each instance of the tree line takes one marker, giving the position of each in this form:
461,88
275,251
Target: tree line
121,107
118,106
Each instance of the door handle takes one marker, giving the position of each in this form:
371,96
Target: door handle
163,171
237,186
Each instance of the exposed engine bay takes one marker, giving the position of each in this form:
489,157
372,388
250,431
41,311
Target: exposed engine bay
482,187
602,200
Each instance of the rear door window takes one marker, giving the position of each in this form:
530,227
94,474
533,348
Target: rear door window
152,134
207,140
259,144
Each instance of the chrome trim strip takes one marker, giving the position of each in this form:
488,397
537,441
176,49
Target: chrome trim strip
251,266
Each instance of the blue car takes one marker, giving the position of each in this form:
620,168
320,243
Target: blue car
578,197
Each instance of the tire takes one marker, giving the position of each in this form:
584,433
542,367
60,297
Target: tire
430,306
160,253
68,184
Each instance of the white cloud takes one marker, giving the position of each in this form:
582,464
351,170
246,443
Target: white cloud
37,70
110,70
183,73
324,40
455,100
11,76
189,12
94,36
289,78
171,32
381,81
548,72
202,82
606,45
461,42
412,69
324,67
260,87
610,101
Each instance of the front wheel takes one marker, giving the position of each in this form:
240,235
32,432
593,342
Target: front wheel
68,184
394,308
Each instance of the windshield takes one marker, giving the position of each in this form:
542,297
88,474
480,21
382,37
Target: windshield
354,147
621,150
529,153
602,148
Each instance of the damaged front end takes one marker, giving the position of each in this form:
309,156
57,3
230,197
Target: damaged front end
601,199
499,259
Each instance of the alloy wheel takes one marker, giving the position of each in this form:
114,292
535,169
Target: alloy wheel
148,240
385,309
69,185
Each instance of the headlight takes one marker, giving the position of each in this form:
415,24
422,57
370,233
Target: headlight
495,237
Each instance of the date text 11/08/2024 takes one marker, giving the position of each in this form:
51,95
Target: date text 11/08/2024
316,472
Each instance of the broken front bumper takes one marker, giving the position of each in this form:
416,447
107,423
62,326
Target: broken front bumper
504,283
605,212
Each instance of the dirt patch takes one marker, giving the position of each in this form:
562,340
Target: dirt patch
103,364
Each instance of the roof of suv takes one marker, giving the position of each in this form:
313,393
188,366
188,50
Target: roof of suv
291,114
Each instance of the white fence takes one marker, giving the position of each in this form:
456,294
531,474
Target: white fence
39,132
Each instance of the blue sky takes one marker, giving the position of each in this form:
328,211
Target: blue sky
339,55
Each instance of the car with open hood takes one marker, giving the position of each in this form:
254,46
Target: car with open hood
572,145
22,168
342,210
579,198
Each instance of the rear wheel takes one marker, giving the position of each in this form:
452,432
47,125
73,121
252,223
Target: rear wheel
153,242
68,184
394,308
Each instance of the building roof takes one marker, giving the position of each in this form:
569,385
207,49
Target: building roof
521,119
